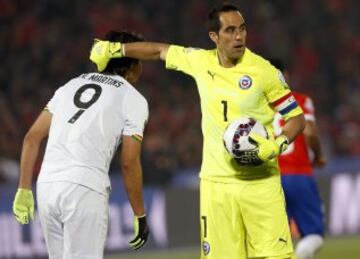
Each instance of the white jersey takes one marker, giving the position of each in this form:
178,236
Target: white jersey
89,115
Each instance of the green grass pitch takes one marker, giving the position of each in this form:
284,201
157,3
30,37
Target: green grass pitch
334,248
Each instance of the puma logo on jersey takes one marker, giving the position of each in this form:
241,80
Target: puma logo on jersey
211,74
171,66
282,240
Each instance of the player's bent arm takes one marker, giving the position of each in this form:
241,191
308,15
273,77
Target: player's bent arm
270,148
293,127
313,141
146,50
30,149
132,173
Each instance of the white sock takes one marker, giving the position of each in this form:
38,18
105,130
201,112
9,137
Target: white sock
308,246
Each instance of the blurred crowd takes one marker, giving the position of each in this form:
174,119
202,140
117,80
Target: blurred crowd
44,43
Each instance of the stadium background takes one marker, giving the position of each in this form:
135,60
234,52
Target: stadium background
46,42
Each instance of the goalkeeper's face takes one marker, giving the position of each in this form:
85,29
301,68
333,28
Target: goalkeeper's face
231,37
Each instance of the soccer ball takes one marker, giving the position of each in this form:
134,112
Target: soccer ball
238,144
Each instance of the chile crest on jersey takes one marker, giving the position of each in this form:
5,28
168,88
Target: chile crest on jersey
245,82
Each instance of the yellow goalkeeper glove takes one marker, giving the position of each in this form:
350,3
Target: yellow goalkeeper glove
102,51
141,232
269,148
23,206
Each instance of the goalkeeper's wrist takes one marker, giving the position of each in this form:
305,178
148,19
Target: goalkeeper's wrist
24,190
123,49
283,142
141,216
116,50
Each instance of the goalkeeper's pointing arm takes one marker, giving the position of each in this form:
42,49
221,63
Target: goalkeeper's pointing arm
145,50
103,51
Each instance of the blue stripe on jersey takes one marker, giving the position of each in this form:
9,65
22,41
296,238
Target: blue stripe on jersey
289,108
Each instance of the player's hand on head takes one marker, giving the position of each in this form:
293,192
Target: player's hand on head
23,206
141,232
102,51
269,148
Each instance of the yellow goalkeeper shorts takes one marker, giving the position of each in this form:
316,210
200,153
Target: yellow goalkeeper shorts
244,220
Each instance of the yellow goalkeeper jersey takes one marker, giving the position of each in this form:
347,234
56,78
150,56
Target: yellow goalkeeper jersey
252,88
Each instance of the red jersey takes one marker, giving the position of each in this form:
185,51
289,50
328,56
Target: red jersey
295,159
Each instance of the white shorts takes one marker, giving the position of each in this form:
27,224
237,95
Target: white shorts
74,220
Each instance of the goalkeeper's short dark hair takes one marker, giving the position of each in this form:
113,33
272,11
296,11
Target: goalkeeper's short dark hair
121,65
213,23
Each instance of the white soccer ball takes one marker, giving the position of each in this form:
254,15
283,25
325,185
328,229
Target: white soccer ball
238,144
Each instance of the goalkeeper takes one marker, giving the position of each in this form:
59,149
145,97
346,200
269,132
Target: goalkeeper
242,210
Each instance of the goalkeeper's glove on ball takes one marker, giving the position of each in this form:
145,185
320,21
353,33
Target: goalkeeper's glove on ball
102,51
269,148
141,232
23,206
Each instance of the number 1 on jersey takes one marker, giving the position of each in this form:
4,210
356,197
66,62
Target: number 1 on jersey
225,108
205,225
84,105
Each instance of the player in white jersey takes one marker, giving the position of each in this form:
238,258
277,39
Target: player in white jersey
85,121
